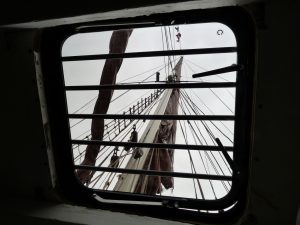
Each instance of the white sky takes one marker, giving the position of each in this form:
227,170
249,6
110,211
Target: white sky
150,39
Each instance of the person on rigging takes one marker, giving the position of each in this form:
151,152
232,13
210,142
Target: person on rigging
178,35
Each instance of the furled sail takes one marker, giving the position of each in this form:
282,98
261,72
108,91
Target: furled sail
155,159
118,44
162,159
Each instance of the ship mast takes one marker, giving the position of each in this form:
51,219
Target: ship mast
155,132
118,43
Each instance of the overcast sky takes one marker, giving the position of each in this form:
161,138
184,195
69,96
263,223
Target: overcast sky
150,39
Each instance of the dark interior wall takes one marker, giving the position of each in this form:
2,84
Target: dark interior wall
275,174
24,164
276,170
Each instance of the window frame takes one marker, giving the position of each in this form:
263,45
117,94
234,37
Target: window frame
51,40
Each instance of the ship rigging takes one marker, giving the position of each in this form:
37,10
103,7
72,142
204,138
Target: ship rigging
141,121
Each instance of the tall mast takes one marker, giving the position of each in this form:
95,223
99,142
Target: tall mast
157,131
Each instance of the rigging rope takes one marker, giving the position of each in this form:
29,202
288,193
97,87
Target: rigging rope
210,110
108,147
197,108
153,102
207,129
122,160
219,76
192,162
117,97
212,91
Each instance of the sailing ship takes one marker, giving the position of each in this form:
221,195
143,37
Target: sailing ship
157,131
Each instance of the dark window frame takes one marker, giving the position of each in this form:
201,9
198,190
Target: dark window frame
67,184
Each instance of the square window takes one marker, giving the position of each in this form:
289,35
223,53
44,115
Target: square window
153,113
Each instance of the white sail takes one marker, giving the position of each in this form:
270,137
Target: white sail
127,182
